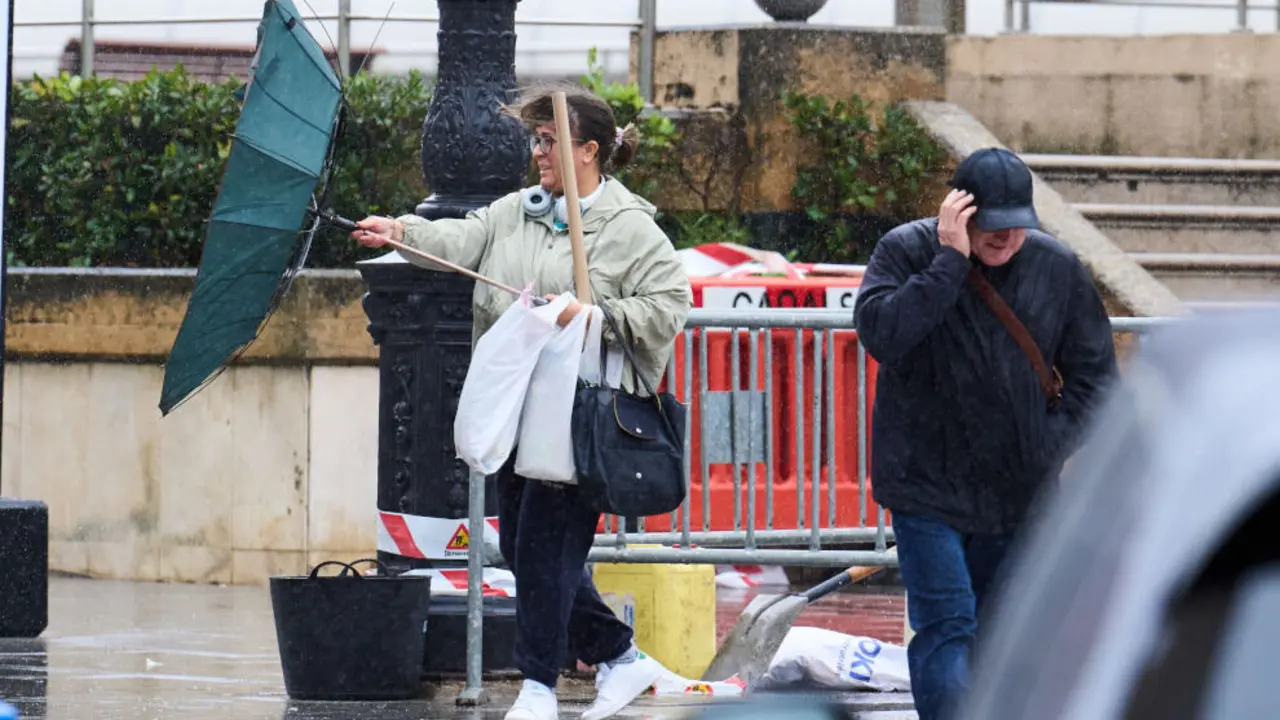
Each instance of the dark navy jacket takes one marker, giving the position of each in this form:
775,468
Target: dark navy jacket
961,431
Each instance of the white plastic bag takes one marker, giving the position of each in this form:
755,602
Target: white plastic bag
818,658
488,417
545,448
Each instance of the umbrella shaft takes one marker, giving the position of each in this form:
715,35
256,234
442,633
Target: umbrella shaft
345,224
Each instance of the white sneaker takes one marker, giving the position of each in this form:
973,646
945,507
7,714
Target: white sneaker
535,702
618,685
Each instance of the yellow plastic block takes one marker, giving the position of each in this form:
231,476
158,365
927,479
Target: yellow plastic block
671,608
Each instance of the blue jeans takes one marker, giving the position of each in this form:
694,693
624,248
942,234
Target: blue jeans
949,577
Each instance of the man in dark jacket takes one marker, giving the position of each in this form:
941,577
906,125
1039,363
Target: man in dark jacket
964,436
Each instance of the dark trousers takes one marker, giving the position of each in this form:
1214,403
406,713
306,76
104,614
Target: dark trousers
949,578
545,534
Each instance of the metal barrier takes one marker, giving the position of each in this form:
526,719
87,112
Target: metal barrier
1241,8
646,22
729,433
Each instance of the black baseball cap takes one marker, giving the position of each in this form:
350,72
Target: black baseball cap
1001,187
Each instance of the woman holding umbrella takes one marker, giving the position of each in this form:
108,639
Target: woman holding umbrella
636,275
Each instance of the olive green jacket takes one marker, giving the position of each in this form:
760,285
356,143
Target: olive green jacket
635,272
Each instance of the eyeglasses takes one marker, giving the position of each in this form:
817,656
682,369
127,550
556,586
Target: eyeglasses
545,143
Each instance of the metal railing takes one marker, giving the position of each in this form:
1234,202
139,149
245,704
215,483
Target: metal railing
729,433
344,19
1022,8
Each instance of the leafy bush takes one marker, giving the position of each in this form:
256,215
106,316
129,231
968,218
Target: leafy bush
858,163
655,157
105,172
108,172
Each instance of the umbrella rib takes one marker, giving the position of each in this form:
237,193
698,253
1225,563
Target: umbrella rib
279,158
240,223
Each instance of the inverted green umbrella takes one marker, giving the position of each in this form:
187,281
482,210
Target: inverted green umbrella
266,213
280,153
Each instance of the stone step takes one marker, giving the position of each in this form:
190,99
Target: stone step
1159,180
1215,279
1187,228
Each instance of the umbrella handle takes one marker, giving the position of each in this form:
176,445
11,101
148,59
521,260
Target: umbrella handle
345,224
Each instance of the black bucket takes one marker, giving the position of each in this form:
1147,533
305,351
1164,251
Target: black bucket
349,636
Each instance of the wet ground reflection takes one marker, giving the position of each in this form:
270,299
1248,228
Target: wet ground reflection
138,651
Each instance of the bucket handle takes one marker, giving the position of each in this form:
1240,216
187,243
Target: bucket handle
348,569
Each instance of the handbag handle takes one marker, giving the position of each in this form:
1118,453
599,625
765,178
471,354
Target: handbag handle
626,350
630,354
1050,385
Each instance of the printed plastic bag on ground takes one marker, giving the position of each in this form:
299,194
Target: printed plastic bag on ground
545,448
818,658
670,684
488,417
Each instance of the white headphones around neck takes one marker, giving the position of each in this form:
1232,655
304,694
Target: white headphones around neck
537,201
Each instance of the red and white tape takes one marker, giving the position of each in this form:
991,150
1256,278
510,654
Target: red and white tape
747,577
710,259
496,582
429,538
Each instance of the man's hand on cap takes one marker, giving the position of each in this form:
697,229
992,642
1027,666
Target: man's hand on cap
953,221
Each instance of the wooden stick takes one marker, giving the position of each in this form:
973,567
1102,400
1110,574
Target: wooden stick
564,143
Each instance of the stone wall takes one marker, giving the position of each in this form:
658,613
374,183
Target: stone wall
270,469
1212,95
724,85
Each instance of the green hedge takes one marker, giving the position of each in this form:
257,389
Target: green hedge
105,172
110,173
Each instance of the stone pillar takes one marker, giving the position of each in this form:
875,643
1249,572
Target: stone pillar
421,319
946,14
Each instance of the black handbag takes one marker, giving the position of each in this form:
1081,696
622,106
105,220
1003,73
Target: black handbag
628,450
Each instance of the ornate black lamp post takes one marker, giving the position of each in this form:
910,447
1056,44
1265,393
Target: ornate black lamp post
421,320
472,155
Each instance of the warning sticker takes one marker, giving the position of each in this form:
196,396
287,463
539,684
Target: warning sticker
428,537
460,541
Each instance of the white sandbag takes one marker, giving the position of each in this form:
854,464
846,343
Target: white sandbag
488,417
545,447
818,658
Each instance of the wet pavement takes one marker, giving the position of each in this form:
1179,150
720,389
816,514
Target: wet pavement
142,651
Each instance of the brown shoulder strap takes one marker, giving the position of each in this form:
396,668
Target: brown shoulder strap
1048,382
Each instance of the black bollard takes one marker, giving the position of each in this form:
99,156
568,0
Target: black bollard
24,557
421,319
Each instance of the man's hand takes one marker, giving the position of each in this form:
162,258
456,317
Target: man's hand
570,311
375,231
953,220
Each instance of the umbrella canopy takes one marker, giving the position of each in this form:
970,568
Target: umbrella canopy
255,243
